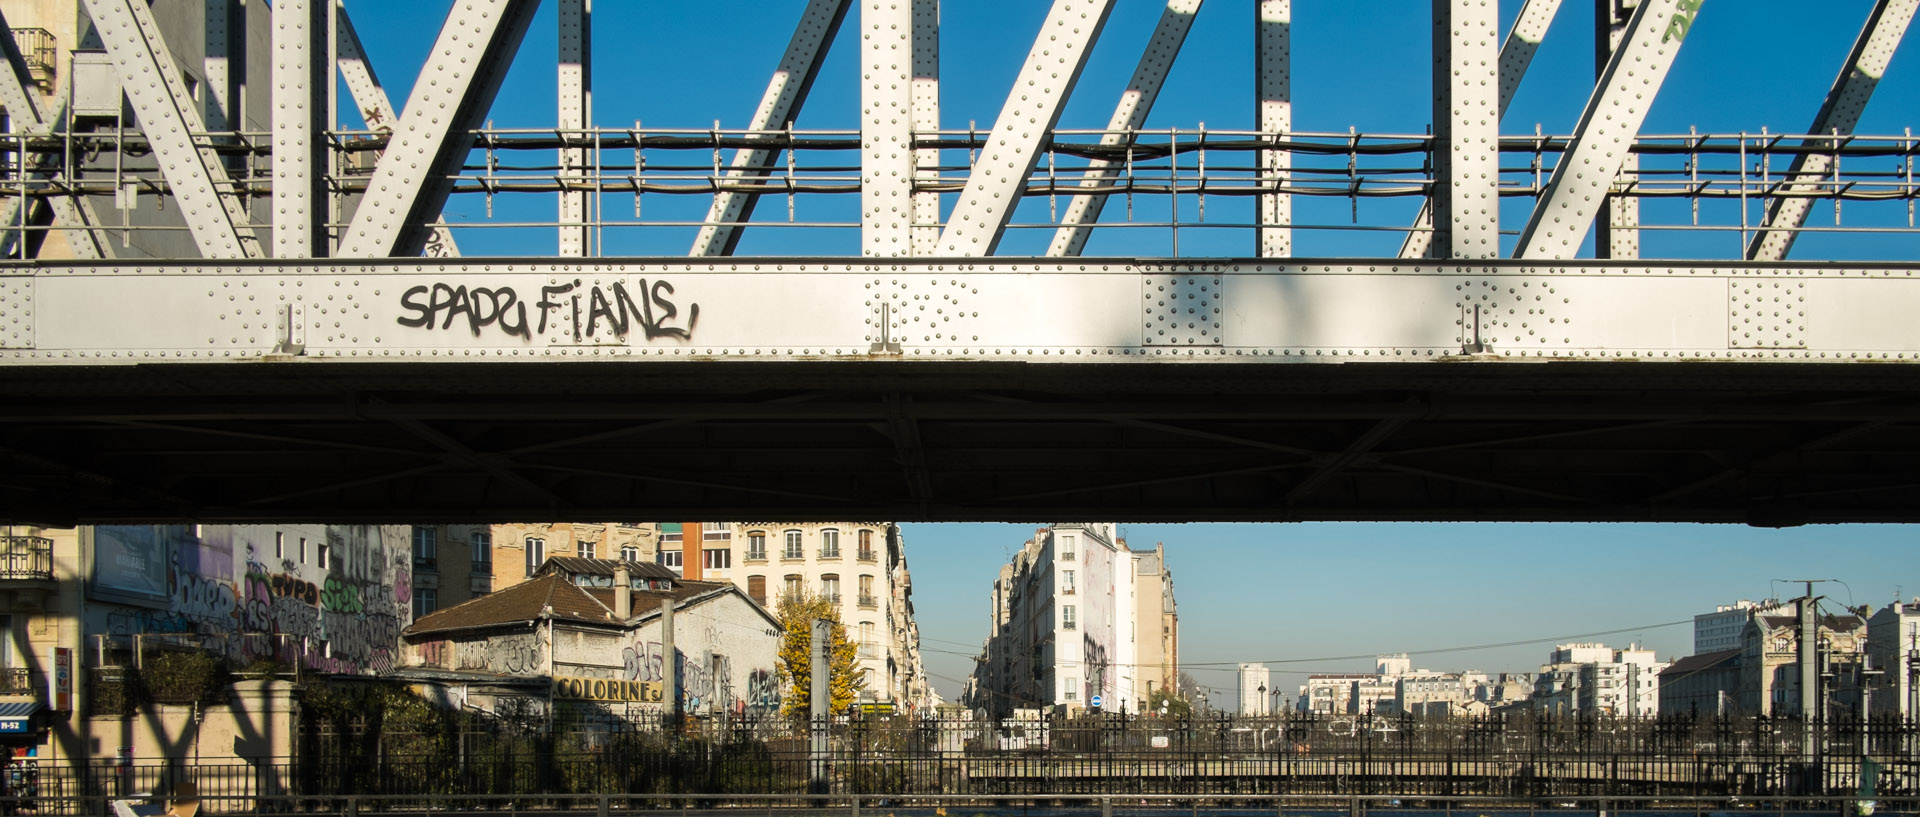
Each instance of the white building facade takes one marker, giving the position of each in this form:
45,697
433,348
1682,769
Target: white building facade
1722,629
1893,648
1254,689
1594,679
1066,619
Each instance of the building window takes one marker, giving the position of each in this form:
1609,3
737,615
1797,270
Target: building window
629,553
866,593
830,588
794,588
425,600
868,647
829,544
303,550
536,553
1066,547
793,546
588,550
483,551
671,559
1066,618
279,545
757,589
425,549
1070,689
323,555
866,545
757,545
716,559
1066,582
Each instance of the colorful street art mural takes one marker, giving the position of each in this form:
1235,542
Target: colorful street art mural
328,598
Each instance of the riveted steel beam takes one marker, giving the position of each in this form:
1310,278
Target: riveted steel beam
886,128
1273,42
925,232
575,95
1586,171
169,117
1466,129
455,90
219,48
71,212
376,110
1838,115
301,89
1617,227
1516,53
1026,122
1143,89
785,95
684,310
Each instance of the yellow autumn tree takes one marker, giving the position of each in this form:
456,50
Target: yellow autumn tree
844,680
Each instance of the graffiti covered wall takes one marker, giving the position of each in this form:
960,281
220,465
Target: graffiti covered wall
329,598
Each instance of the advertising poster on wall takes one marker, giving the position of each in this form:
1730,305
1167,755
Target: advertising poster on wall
130,562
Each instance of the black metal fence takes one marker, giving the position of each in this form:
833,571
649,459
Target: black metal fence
475,762
1294,754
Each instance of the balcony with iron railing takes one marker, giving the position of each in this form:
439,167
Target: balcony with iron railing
19,681
40,50
869,649
868,602
26,558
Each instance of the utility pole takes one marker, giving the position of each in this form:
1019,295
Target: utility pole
821,649
1810,708
670,683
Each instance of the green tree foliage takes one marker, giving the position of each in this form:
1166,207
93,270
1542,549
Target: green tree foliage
795,670
1176,706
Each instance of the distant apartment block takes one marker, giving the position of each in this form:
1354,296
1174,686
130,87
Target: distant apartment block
1722,629
1594,679
1068,617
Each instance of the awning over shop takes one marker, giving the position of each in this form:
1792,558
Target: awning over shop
16,716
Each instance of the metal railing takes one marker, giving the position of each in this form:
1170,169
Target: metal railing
1165,183
18,681
41,50
26,558
1514,759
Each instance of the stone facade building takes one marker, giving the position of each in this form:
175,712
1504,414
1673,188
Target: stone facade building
1067,621
588,636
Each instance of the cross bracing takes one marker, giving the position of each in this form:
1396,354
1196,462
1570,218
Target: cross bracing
922,282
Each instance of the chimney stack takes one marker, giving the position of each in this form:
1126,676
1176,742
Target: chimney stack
622,593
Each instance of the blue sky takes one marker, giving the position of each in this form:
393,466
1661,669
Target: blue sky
1275,592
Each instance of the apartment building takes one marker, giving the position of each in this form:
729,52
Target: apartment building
1600,680
1066,621
860,566
451,565
518,550
1893,649
1723,628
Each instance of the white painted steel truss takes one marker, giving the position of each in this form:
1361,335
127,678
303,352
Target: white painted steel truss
319,208
943,310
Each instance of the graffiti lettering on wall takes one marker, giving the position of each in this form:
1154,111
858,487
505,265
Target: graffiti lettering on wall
706,680
1096,658
763,691
582,311
343,617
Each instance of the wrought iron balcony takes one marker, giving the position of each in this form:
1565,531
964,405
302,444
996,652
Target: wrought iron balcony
26,558
867,601
18,681
40,50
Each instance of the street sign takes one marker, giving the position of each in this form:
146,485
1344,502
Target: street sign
1096,702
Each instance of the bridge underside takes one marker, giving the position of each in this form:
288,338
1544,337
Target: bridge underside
1756,443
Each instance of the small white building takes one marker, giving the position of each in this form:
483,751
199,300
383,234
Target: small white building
1254,690
1601,680
1893,648
1722,629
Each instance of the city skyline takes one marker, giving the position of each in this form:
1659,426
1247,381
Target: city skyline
1685,570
